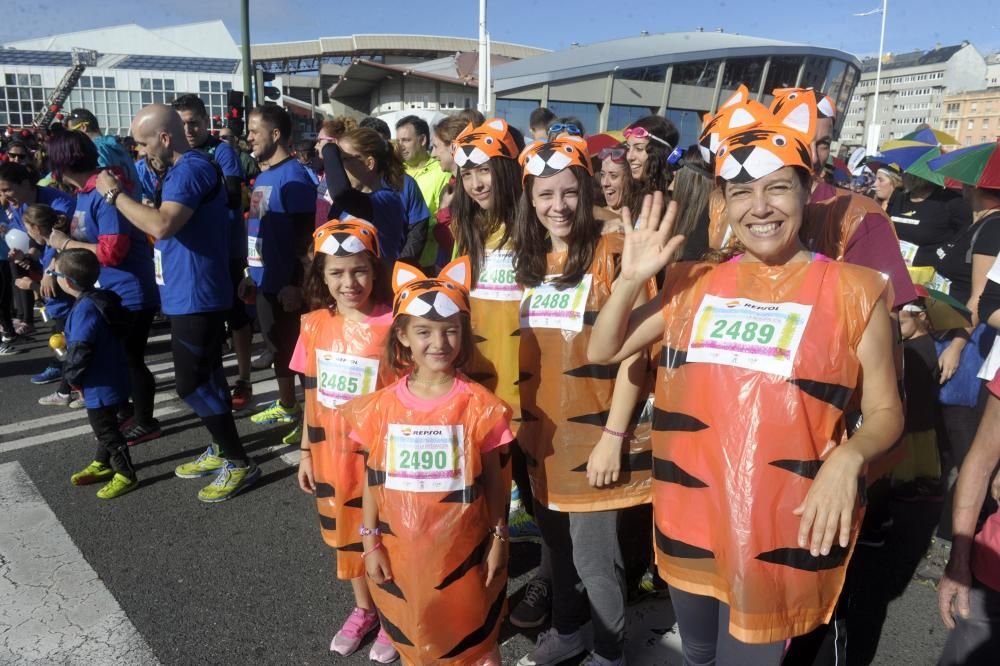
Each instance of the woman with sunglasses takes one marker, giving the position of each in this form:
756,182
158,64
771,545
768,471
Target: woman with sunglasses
652,153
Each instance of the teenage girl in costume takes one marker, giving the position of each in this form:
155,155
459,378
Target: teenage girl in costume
435,499
585,461
338,352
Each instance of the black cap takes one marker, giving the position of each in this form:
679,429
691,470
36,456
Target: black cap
83,116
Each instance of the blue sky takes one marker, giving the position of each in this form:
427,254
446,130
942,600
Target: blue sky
912,24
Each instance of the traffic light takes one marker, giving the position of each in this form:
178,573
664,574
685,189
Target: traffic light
268,88
236,108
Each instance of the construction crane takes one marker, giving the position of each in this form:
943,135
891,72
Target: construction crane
82,58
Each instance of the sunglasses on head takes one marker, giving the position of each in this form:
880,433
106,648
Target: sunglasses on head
642,133
568,128
615,154
56,274
17,156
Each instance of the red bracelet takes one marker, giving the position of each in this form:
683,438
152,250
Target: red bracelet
369,552
613,433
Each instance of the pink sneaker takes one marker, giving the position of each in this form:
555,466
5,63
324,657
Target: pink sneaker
382,650
358,624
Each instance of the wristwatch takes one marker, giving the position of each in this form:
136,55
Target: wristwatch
112,196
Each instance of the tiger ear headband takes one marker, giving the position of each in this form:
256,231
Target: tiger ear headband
824,104
477,145
346,236
763,148
432,298
547,158
737,113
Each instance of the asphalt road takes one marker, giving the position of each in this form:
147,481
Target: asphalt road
249,581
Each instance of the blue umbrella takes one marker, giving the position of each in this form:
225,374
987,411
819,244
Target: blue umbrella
903,153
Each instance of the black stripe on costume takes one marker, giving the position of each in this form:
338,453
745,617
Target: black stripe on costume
376,477
356,547
395,633
595,418
834,394
316,433
668,471
523,377
806,468
632,462
801,558
516,333
590,317
466,495
324,490
671,358
384,528
595,371
474,559
526,417
482,633
477,338
354,502
675,421
679,549
309,382
327,523
480,377
390,587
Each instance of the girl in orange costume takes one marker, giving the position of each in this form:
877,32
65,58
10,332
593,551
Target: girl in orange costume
338,353
585,462
755,502
435,499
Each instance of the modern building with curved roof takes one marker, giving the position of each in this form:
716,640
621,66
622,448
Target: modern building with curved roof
681,75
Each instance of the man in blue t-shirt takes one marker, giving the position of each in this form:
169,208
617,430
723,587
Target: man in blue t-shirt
194,115
191,267
279,231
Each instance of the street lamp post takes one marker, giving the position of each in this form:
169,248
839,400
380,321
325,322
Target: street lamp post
875,130
484,91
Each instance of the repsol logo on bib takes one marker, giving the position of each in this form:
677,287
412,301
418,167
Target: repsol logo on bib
751,306
422,432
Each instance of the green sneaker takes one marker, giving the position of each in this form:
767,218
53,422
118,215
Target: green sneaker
95,472
275,413
117,486
207,463
295,436
230,481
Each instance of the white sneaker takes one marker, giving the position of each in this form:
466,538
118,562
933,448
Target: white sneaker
553,648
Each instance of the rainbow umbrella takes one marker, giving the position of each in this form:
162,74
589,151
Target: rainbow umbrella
978,166
944,311
903,153
920,168
933,136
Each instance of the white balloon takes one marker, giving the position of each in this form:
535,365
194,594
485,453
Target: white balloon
17,240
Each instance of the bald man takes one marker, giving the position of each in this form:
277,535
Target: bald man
191,263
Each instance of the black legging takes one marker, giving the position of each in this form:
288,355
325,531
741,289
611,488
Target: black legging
6,297
143,383
196,342
111,446
705,639
23,299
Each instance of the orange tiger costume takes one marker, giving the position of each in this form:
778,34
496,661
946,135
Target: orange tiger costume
341,360
425,472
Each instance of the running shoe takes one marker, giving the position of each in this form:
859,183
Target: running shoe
533,609
206,464
295,436
242,395
230,481
23,328
275,413
356,627
382,650
76,400
262,362
95,472
7,336
118,486
8,348
47,376
137,433
553,648
522,527
56,399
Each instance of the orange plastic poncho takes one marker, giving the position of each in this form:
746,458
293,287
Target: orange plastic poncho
495,300
434,518
757,366
341,361
565,399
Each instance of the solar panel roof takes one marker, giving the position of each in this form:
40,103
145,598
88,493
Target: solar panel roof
38,58
179,64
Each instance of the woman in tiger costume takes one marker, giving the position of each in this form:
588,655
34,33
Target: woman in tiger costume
587,463
755,497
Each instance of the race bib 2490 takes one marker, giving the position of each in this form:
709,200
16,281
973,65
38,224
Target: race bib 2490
425,458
